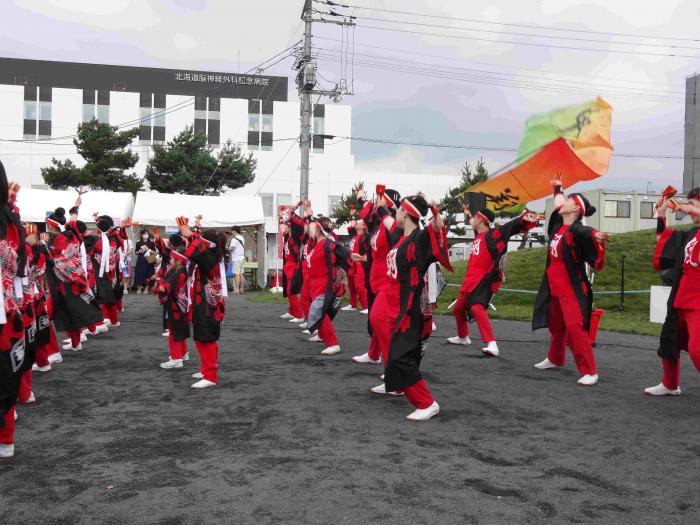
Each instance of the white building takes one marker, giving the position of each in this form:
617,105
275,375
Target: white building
620,212
42,103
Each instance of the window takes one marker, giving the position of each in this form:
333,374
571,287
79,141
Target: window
102,113
152,117
253,122
646,210
88,112
267,123
319,125
619,209
333,203
37,112
102,108
268,201
30,110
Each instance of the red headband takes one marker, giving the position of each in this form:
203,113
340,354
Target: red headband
53,222
580,203
178,255
410,209
483,217
389,201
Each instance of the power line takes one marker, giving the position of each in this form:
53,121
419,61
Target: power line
532,35
535,44
548,88
528,26
536,70
494,148
393,60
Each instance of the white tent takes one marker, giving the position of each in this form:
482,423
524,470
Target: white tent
160,209
35,204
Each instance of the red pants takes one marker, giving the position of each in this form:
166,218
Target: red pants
419,395
327,332
688,324
479,314
352,290
7,432
55,349
209,359
382,318
25,387
294,305
305,298
74,337
111,312
566,326
177,349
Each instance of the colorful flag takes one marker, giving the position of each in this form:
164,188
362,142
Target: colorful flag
573,142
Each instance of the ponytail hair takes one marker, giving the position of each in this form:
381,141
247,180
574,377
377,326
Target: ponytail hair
219,238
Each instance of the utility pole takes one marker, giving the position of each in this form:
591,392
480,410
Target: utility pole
306,82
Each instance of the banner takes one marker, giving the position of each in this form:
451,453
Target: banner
573,142
530,180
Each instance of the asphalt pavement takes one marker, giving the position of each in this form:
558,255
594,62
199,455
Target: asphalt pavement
289,436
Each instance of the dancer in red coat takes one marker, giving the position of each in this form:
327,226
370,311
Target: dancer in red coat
679,251
565,299
483,276
13,358
357,285
401,313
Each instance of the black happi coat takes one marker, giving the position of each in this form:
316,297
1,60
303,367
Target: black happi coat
578,248
295,240
174,299
669,255
497,244
74,302
208,305
335,254
40,258
413,257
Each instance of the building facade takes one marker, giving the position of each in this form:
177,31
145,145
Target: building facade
43,102
619,212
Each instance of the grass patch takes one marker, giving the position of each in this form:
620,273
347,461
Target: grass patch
524,271
265,297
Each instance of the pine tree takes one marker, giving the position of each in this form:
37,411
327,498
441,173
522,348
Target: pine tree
183,165
342,211
234,170
452,201
107,160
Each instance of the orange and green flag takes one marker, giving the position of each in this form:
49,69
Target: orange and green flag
573,142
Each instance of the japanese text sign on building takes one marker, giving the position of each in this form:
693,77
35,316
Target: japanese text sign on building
218,78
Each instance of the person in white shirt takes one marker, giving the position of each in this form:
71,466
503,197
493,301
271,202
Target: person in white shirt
237,247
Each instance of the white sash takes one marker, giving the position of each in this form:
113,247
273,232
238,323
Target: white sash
104,260
222,271
19,291
83,257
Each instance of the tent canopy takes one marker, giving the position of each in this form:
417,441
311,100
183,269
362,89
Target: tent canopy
35,204
160,209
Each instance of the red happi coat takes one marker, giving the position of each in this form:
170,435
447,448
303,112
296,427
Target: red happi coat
208,304
407,263
74,304
106,284
482,281
677,251
13,355
175,301
577,248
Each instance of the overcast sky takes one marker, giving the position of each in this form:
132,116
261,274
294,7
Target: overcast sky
474,87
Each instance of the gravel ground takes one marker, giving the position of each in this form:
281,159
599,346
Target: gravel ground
290,436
